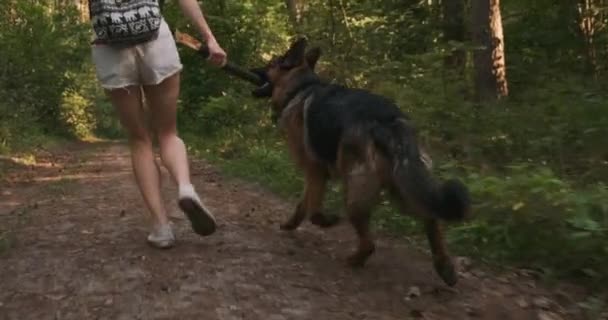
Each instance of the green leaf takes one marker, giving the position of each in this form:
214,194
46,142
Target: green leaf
580,235
583,222
518,206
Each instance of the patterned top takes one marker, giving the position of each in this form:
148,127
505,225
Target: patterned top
125,21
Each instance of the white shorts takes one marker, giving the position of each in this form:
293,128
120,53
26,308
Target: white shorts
145,64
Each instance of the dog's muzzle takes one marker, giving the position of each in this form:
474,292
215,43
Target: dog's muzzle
263,91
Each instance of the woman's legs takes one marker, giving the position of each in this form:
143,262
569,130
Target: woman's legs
128,104
162,99
151,63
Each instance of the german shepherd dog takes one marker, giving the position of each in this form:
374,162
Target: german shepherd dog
366,142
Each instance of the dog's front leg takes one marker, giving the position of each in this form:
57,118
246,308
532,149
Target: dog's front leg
318,177
312,201
314,191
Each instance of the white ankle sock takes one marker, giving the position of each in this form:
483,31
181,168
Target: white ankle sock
187,191
186,187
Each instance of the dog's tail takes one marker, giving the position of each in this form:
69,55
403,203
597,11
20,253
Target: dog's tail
411,177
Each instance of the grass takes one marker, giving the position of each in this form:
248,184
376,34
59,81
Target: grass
25,146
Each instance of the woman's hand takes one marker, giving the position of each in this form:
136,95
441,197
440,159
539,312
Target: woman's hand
217,56
192,10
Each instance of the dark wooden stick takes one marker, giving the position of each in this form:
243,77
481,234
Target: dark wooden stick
229,67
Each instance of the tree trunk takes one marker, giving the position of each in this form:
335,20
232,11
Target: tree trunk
454,30
332,18
587,20
490,67
83,9
294,14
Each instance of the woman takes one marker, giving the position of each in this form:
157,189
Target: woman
135,53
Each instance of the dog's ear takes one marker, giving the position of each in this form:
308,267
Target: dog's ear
295,55
312,56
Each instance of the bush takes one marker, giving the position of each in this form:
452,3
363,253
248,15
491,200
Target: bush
531,216
43,51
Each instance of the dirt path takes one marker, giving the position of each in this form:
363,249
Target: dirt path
75,232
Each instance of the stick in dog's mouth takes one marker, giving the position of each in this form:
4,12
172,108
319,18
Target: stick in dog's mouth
194,44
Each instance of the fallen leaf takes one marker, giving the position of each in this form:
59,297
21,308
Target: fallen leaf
413,292
542,302
522,302
518,206
55,297
548,316
464,263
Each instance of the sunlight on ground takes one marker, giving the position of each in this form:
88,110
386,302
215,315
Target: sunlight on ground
93,139
11,203
80,176
26,160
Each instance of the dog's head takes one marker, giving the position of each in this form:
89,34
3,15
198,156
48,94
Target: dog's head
283,71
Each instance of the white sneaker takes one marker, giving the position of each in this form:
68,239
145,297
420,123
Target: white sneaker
161,236
201,219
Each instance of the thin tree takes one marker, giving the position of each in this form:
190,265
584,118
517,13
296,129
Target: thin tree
294,11
490,65
454,30
588,15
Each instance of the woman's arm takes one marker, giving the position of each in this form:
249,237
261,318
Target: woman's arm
192,10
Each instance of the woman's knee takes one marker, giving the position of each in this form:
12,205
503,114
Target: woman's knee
167,140
139,139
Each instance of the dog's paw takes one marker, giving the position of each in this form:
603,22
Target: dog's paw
446,271
324,220
296,219
359,258
356,260
289,225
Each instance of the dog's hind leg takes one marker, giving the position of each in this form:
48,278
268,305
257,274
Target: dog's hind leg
434,233
441,259
362,188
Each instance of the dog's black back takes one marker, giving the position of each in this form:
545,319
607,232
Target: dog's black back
335,108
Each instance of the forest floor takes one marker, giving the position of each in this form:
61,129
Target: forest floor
72,246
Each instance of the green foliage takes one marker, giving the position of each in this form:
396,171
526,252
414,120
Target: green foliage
226,111
43,51
244,29
531,216
74,113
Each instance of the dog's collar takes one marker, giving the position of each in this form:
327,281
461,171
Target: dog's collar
303,95
307,81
